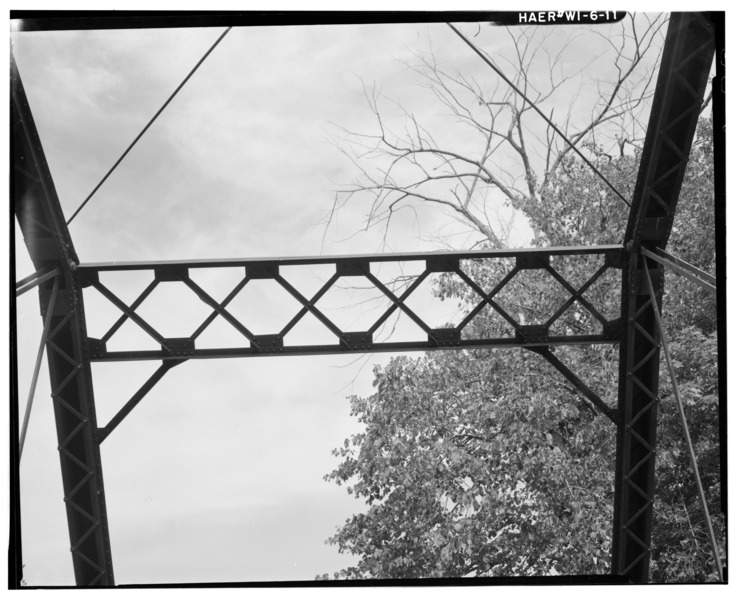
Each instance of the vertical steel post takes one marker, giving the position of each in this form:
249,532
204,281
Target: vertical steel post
635,460
49,244
687,58
682,81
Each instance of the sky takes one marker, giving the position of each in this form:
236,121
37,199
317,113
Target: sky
218,474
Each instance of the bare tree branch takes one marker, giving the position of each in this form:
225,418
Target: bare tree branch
496,151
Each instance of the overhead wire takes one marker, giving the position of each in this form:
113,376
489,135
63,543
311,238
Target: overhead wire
149,124
500,73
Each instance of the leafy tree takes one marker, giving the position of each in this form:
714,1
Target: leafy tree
488,462
682,551
489,144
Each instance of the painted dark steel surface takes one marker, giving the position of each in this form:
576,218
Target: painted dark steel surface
50,246
682,82
683,268
350,260
359,268
35,280
663,340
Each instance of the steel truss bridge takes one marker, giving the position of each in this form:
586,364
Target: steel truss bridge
637,267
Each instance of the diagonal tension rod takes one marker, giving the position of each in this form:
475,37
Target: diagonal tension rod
44,337
683,268
149,124
35,280
573,147
684,423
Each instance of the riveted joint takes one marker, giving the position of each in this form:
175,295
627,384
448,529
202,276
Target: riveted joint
356,340
268,344
533,333
445,337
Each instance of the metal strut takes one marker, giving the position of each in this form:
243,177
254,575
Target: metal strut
685,426
35,280
687,58
103,432
683,268
348,341
37,366
682,80
47,238
610,413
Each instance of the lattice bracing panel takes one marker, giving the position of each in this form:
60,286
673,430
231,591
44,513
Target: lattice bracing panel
527,276
509,298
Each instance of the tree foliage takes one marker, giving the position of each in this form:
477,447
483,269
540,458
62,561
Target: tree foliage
488,462
491,144
681,547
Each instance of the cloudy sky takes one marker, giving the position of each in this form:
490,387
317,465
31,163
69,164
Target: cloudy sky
217,474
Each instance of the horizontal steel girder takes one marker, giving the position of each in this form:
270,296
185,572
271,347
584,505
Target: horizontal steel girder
513,332
686,61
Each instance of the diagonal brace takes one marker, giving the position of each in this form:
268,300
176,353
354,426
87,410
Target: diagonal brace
220,309
577,295
308,305
685,426
683,268
402,298
488,299
400,304
102,433
610,413
124,317
34,280
130,313
34,379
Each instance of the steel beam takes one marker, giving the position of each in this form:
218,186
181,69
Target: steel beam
454,336
35,280
681,84
683,268
49,244
37,367
351,261
103,432
611,413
